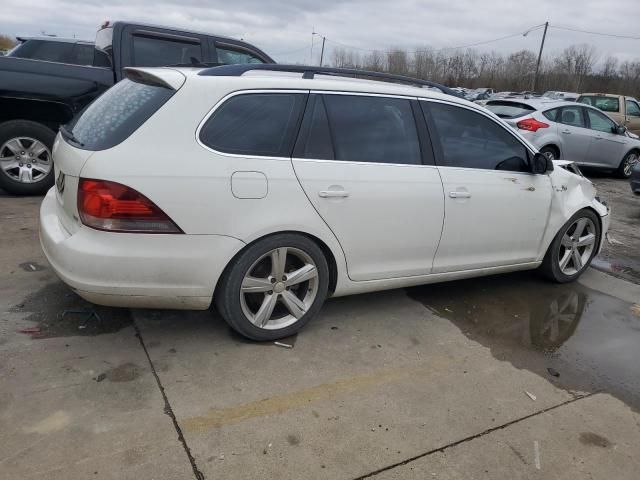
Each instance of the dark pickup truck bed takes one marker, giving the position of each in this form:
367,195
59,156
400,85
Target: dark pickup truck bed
36,97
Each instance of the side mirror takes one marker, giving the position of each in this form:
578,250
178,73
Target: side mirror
620,129
541,164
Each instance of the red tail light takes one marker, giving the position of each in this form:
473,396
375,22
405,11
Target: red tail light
531,124
115,207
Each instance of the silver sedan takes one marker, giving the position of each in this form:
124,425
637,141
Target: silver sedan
571,131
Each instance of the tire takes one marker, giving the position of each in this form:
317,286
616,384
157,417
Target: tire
552,264
18,165
550,152
626,165
243,303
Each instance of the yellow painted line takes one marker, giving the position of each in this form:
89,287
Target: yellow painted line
217,418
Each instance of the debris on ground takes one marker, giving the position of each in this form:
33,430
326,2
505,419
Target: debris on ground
30,330
531,395
536,454
553,372
635,309
284,345
101,377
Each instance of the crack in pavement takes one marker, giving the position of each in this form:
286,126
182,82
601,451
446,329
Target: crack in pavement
167,407
472,437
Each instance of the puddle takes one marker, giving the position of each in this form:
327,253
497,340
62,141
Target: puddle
575,337
58,312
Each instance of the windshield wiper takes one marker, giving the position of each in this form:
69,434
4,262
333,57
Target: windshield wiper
68,135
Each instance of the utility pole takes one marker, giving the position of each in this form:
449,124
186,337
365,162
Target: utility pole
535,78
322,51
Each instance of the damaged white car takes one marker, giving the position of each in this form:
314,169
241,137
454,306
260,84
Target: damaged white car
266,192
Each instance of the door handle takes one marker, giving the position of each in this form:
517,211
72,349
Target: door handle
333,194
568,132
598,137
460,194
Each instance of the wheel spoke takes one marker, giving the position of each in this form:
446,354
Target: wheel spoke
566,241
9,165
580,225
37,149
40,168
564,261
263,314
307,272
15,146
256,285
278,261
577,259
295,306
25,175
588,239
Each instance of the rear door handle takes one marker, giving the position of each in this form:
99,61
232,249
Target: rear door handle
333,194
460,194
568,132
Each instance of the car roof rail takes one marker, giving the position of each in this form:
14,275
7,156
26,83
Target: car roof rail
309,72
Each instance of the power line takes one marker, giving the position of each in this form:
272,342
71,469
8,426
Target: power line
628,37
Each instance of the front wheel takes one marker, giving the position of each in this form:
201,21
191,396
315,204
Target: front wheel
573,248
274,287
26,164
626,165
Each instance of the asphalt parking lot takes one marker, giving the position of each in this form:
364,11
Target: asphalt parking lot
491,378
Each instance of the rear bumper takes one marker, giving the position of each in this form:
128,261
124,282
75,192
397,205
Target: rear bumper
135,270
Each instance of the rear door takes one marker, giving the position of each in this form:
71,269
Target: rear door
574,134
606,148
496,210
366,166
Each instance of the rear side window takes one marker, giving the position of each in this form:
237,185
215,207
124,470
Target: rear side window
509,109
117,113
44,50
362,129
572,116
157,52
552,114
83,54
471,140
230,56
606,104
632,108
263,124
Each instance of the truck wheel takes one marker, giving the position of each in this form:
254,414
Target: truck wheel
26,163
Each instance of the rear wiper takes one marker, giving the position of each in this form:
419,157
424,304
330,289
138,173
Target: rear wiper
66,133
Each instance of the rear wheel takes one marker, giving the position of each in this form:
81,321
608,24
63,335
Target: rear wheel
26,164
274,287
626,165
573,248
550,152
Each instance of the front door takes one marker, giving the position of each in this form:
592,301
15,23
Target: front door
606,148
360,162
496,210
632,120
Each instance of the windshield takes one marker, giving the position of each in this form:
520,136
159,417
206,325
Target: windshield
606,104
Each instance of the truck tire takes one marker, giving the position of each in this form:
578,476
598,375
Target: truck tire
26,163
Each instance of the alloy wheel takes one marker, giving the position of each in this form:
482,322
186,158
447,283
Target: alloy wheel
630,162
577,245
279,288
25,159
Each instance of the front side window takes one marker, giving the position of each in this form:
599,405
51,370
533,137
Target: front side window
262,124
117,113
158,52
471,140
600,122
230,56
363,129
572,116
632,108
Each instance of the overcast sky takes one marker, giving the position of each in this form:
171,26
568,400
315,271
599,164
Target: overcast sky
283,28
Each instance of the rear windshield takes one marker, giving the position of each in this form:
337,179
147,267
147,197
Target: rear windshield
606,104
116,114
509,109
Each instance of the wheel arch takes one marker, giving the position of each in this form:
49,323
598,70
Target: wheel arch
326,250
48,113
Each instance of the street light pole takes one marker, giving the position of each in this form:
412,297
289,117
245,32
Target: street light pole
535,78
322,51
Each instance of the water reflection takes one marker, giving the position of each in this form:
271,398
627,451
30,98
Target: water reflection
592,339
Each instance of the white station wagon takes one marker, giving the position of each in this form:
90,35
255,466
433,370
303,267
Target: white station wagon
267,188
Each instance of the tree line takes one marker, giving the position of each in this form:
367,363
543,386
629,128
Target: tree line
575,69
